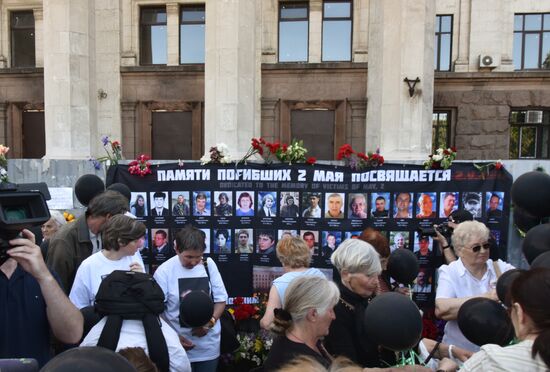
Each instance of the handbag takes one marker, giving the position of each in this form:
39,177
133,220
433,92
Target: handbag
228,340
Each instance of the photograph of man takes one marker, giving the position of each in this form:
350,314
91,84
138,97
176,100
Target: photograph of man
448,204
244,241
357,206
266,242
206,233
311,239
245,202
161,245
311,200
143,245
399,239
380,205
471,201
138,205
202,202
267,206
423,280
402,205
222,241
334,205
289,204
331,240
180,206
354,234
494,201
425,207
160,204
422,246
282,234
223,207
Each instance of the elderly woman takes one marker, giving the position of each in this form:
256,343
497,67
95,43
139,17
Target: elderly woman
472,275
295,257
530,315
122,238
304,319
359,266
49,229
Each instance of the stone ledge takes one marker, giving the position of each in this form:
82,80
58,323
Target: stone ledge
161,69
21,70
315,66
484,76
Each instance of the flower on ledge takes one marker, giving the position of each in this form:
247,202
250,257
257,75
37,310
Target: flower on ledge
218,154
3,164
359,160
485,169
113,149
141,166
278,152
441,159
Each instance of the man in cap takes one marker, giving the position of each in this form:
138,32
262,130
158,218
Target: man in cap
472,203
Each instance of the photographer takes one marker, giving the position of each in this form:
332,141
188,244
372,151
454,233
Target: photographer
32,304
444,231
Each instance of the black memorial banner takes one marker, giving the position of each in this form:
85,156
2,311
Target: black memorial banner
245,210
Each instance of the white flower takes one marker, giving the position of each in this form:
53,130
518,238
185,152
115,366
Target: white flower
205,158
437,157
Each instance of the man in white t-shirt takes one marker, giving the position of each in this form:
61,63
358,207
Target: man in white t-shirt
186,272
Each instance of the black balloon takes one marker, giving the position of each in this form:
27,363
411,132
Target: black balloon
88,359
504,283
484,321
531,191
536,242
88,186
403,266
196,309
393,321
524,220
542,260
121,188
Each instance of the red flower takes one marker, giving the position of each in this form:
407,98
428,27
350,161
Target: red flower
273,147
238,301
446,152
453,149
345,151
284,147
361,155
311,160
499,165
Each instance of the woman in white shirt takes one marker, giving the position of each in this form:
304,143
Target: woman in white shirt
122,238
472,275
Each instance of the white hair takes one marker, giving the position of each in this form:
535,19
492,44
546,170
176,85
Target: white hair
356,256
58,218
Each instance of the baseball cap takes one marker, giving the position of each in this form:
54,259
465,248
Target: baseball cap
459,216
472,196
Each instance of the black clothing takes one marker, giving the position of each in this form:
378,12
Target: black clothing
497,213
326,251
347,336
223,210
380,214
290,211
285,350
164,213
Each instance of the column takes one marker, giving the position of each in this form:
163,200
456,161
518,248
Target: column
315,30
69,88
172,31
232,73
462,61
38,37
401,37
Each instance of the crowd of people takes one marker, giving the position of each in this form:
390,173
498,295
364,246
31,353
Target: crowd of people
52,287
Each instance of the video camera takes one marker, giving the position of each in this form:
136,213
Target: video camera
21,206
443,228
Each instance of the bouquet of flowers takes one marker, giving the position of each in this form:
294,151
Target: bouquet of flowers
218,154
113,149
141,166
3,163
441,159
359,160
271,152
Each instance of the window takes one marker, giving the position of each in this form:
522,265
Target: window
443,42
33,134
22,39
153,44
531,41
293,32
171,135
337,31
441,129
529,134
192,20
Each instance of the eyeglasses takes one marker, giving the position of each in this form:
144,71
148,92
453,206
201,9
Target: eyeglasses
476,248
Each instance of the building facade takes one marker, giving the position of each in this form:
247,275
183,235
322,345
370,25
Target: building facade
172,78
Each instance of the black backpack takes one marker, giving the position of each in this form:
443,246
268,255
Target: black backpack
131,295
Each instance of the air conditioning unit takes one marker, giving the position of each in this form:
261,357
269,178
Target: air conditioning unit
488,61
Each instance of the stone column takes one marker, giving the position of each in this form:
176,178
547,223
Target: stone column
69,88
401,37
360,30
38,37
172,31
315,30
232,70
461,64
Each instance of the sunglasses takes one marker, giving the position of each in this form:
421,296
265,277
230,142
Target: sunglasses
477,248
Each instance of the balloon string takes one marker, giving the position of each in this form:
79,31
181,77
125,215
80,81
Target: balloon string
410,292
407,358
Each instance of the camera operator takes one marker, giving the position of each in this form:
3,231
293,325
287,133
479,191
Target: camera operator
32,304
444,231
